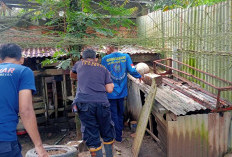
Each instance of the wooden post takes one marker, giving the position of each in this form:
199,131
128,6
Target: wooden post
54,91
77,120
45,97
78,127
64,91
151,123
143,119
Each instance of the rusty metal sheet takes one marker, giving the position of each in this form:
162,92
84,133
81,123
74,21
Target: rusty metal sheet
171,99
132,50
201,135
176,102
38,52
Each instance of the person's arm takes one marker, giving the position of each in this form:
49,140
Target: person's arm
130,67
73,75
73,71
27,115
109,87
108,82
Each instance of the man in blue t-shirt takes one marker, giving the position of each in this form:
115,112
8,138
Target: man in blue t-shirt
17,85
92,104
119,64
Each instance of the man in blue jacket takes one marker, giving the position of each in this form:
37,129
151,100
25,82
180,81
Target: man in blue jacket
118,64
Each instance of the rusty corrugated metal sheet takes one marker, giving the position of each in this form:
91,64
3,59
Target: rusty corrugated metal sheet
172,100
135,50
38,52
130,49
176,102
201,135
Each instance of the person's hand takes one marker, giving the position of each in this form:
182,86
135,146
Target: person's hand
141,79
41,151
74,108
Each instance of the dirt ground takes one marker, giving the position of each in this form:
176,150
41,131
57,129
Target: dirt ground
61,134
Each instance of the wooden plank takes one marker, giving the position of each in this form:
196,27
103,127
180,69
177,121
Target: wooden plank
53,72
50,112
142,124
151,123
153,136
40,111
39,105
36,98
159,117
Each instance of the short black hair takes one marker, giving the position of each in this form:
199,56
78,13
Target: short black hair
89,53
10,50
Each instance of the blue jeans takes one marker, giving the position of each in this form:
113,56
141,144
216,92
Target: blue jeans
10,149
95,122
117,110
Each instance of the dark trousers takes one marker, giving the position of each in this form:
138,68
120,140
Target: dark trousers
10,149
117,110
95,123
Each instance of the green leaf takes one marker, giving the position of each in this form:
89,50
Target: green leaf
65,64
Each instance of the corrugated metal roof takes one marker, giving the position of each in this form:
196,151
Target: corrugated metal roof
38,52
176,102
132,50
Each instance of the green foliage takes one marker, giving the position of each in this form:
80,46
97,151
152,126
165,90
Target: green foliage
73,19
63,64
172,4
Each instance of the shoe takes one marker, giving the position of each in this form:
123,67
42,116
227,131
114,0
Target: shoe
96,152
109,148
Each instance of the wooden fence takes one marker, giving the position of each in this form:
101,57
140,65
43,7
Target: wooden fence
199,36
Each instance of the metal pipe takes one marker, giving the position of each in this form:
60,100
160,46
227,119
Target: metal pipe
169,69
189,75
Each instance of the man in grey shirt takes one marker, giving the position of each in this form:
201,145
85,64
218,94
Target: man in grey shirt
92,104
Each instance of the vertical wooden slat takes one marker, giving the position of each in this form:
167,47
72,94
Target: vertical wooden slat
54,91
45,98
64,91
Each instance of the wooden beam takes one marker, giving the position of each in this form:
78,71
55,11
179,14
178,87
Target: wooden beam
38,105
153,136
53,72
143,119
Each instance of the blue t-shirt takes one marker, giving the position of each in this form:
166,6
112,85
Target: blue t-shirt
13,78
92,78
119,64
